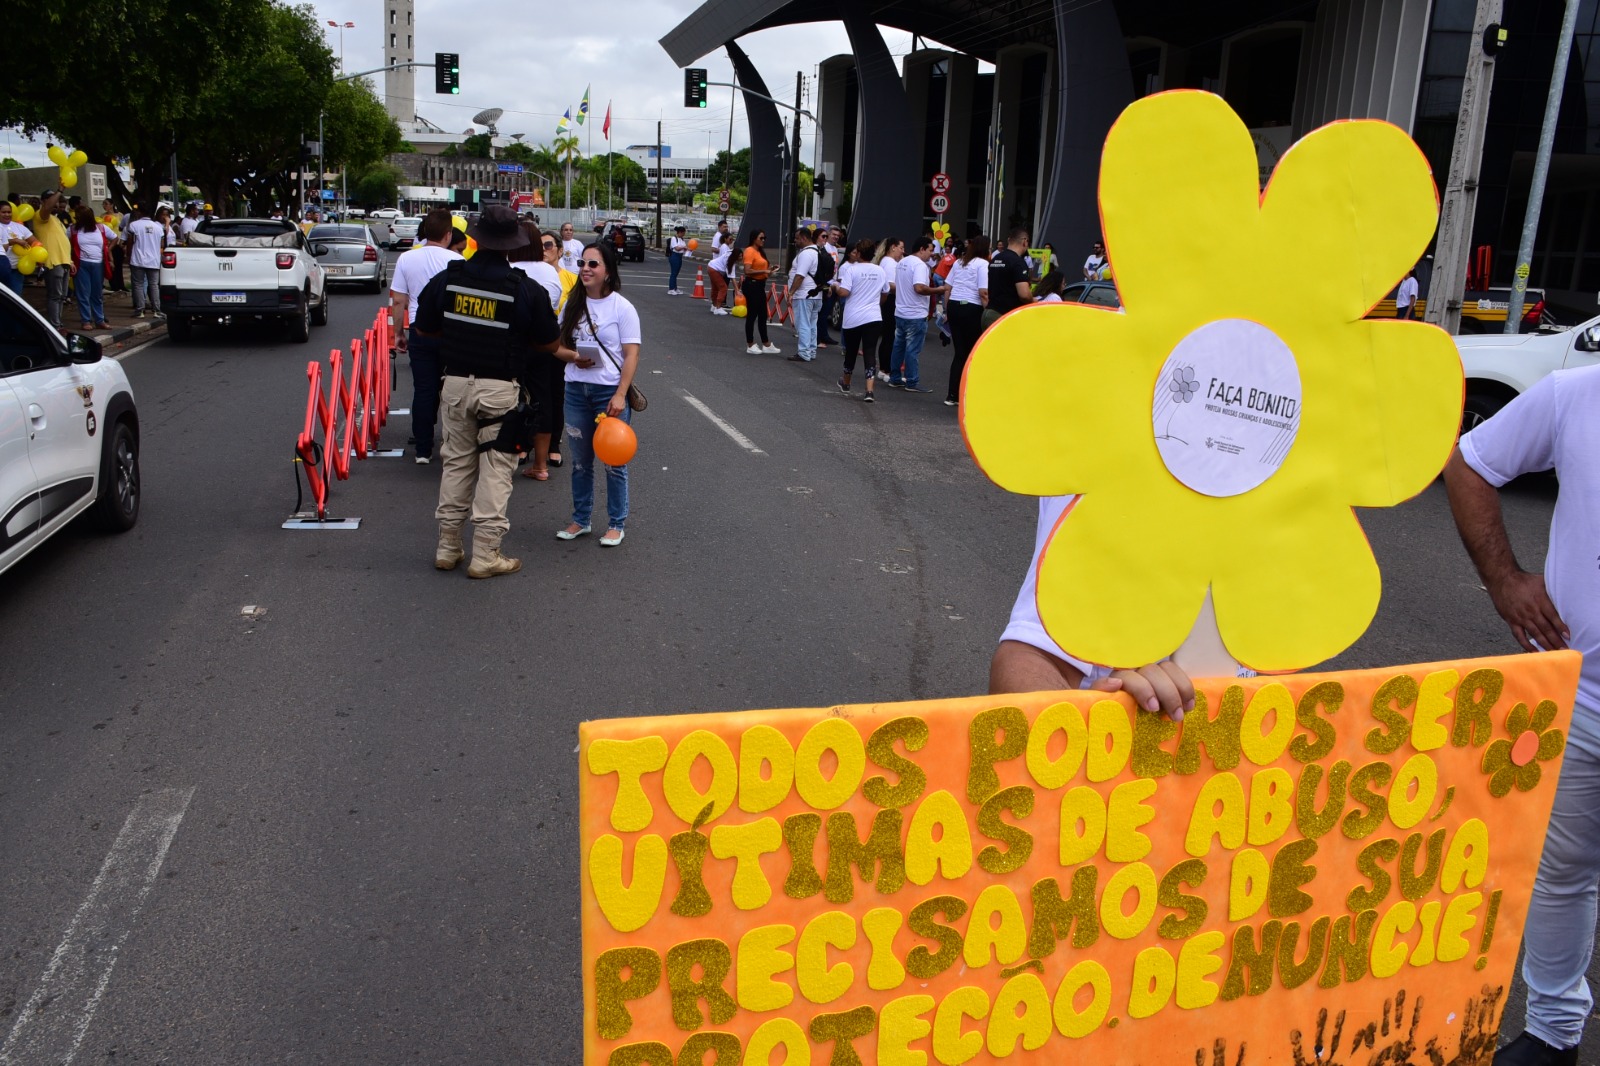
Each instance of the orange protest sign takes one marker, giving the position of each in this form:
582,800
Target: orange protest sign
1338,861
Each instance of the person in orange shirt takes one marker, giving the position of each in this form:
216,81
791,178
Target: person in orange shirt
754,287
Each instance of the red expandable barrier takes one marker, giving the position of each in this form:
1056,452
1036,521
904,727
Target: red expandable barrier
357,403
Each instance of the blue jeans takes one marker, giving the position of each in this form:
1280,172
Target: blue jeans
805,326
909,333
584,401
425,377
89,286
828,300
10,276
675,261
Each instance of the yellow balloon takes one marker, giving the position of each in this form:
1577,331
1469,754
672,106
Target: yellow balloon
459,223
39,253
22,213
25,265
57,155
739,311
69,177
77,159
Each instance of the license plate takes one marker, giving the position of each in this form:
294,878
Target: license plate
338,271
227,298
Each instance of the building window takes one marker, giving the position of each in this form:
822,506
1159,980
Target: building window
408,42
391,41
391,16
408,18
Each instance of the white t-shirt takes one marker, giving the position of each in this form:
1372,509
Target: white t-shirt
1407,294
415,268
93,244
1553,425
571,252
719,239
146,235
966,279
1049,298
805,268
188,226
911,272
1093,265
679,245
546,275
15,231
867,285
719,258
615,323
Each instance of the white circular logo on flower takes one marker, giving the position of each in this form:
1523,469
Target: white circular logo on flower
1227,407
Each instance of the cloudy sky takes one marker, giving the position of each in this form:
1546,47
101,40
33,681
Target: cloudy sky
535,64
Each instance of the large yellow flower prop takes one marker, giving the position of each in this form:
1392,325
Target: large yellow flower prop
1221,427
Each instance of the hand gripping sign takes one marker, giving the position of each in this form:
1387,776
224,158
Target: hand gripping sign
1322,868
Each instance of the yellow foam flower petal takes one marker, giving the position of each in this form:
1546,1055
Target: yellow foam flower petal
1036,429
1350,208
1287,566
1122,579
1382,407
1179,202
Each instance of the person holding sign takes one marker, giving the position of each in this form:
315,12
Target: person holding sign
1550,425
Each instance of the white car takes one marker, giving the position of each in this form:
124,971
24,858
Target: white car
234,268
69,433
403,233
387,213
1500,367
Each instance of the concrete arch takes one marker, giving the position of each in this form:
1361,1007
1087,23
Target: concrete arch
885,191
768,156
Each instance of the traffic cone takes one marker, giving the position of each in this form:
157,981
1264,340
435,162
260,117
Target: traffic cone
699,285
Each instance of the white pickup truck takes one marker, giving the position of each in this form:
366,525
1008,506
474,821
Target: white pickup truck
244,267
1500,367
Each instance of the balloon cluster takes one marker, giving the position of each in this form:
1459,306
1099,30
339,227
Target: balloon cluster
30,259
69,164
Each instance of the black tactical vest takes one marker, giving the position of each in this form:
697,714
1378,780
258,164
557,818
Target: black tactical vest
478,335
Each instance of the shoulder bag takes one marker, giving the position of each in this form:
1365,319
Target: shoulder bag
636,396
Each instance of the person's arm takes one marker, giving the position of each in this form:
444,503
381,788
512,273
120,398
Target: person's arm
630,365
1520,597
399,303
1024,290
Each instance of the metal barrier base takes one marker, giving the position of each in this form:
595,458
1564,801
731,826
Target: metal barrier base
309,520
399,411
388,453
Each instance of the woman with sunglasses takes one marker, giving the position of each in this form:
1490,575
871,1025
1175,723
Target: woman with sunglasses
754,288
600,340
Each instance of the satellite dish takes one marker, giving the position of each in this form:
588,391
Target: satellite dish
489,116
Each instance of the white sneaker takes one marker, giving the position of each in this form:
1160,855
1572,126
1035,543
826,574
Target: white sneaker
771,349
883,376
754,349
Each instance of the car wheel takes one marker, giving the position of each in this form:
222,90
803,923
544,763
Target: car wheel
179,328
319,314
116,509
374,286
1478,409
300,324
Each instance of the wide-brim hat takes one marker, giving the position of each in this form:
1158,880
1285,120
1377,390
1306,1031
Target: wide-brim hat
498,230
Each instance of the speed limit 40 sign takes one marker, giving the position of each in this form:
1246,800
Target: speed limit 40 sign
940,203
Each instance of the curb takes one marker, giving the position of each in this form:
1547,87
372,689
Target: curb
128,332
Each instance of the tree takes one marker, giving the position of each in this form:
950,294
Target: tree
377,186
738,174
566,151
9,164
478,146
517,152
357,129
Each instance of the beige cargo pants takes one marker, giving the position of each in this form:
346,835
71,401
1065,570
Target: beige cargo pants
475,482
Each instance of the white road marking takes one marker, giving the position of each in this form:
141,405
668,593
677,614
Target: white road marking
135,351
52,1026
716,420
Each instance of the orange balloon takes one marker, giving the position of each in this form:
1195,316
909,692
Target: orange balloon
614,441
738,299
694,244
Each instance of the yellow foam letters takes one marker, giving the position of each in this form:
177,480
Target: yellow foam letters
985,942
951,1046
818,982
628,907
629,760
761,958
764,744
951,855
840,737
899,1023
687,801
747,843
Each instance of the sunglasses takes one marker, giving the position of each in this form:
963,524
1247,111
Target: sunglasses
549,244
592,263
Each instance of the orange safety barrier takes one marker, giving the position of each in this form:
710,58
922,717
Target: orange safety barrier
348,416
782,303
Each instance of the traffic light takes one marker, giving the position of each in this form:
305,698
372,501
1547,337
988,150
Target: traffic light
694,87
447,72
819,184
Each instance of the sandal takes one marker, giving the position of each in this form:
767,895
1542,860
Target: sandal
537,475
554,460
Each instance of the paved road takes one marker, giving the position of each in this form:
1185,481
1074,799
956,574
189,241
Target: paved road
363,801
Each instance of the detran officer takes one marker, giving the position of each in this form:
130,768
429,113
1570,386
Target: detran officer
490,320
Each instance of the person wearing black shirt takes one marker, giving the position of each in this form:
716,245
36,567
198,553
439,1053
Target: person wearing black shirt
1008,278
490,319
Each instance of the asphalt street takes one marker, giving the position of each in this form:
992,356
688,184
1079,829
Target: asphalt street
360,799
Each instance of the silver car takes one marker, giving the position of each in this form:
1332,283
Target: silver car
353,258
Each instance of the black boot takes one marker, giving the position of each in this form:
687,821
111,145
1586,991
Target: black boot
1529,1050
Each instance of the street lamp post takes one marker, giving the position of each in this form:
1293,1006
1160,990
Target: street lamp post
341,27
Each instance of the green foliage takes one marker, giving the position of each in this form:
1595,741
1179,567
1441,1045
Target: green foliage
738,171
377,186
9,164
357,129
478,146
517,152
